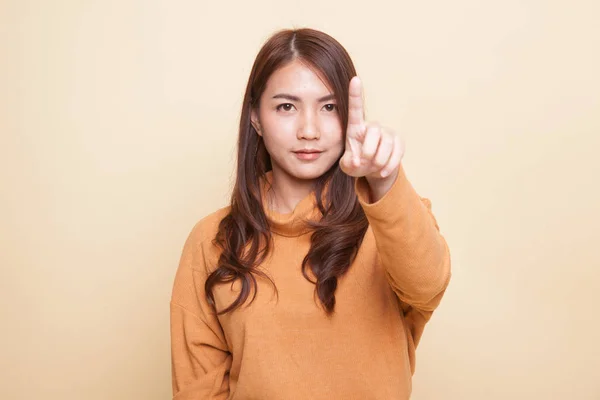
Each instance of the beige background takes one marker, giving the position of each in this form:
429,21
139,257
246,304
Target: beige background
118,124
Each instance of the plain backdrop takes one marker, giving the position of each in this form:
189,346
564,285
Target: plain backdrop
117,133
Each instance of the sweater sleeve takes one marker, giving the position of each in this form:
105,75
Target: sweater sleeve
412,251
200,359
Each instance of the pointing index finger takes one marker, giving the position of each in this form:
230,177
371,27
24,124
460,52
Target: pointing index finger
355,103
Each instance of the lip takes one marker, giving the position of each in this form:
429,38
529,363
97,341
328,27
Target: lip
308,151
308,154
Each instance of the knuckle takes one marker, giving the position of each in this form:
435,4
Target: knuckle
379,162
389,140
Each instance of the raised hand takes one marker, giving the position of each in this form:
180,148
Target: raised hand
371,150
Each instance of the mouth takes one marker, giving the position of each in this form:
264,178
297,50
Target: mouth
308,151
308,154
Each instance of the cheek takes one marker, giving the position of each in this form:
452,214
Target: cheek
277,133
333,128
277,128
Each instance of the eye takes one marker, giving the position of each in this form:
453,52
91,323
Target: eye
330,107
285,107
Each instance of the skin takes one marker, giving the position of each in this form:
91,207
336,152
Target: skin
311,121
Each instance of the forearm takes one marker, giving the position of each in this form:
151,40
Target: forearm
378,187
408,239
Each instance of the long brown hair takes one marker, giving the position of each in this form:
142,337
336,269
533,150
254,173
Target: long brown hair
244,235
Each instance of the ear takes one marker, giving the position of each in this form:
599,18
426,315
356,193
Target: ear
255,122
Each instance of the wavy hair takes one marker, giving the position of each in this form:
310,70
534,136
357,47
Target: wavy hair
243,236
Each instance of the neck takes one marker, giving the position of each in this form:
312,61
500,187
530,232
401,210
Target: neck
287,191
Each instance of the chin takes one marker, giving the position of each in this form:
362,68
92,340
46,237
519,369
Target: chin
309,173
306,177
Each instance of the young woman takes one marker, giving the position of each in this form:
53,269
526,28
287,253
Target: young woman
318,279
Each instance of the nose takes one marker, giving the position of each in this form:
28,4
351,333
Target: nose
308,128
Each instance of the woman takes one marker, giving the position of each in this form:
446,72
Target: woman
318,279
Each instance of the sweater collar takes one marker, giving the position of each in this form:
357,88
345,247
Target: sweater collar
294,223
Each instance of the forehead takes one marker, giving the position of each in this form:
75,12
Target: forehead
298,79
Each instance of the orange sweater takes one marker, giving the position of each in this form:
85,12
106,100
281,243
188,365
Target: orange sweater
289,349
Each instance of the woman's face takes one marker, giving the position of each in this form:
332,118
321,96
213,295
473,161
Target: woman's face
299,122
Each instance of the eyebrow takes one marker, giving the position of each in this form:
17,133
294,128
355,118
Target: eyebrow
296,98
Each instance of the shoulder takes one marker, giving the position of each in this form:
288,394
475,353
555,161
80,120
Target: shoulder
199,247
207,227
198,256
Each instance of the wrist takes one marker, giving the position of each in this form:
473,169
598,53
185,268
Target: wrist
379,186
